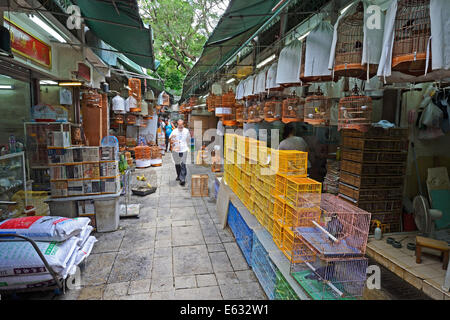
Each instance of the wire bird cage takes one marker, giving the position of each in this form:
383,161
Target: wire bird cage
411,36
229,116
228,99
355,112
341,233
317,109
322,78
272,110
135,92
293,109
240,109
342,279
131,119
349,47
253,113
118,118
210,100
142,153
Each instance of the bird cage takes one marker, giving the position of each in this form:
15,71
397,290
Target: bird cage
240,113
341,233
228,99
340,279
272,110
142,153
91,98
293,109
322,78
355,112
199,185
349,47
193,101
253,114
229,116
118,118
135,92
412,32
317,109
210,102
131,119
165,99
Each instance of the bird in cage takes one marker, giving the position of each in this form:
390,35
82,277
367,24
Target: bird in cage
335,227
322,273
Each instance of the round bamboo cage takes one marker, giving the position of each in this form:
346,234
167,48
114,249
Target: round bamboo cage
355,112
91,98
349,47
240,113
210,102
131,119
118,118
293,109
253,113
412,32
317,109
306,80
272,110
142,153
135,92
228,99
229,116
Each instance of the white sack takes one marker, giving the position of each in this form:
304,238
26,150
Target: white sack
84,235
44,228
85,251
260,81
289,62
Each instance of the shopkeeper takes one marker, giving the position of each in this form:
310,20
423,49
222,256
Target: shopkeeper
180,138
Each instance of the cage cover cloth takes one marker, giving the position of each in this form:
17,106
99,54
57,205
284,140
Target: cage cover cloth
260,82
216,89
118,104
317,52
439,47
373,36
240,90
271,80
289,62
249,83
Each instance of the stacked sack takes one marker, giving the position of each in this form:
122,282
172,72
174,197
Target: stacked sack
64,243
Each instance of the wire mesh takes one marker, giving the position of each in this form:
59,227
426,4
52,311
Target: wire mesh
303,192
355,112
317,109
272,110
293,109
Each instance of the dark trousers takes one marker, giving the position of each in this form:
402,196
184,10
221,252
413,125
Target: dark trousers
180,164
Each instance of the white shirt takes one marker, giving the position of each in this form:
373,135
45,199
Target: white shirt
181,139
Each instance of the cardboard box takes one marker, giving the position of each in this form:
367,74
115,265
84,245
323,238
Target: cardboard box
77,154
91,170
75,188
109,169
110,185
58,139
58,173
91,186
56,156
91,154
59,189
108,153
74,171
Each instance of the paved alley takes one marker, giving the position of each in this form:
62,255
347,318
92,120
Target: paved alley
175,250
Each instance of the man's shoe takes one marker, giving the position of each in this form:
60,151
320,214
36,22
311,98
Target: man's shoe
182,183
178,179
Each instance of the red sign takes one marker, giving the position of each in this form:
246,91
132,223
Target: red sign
84,71
28,46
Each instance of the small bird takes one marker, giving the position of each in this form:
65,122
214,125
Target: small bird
335,227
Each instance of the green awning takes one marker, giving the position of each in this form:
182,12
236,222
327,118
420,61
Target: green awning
119,24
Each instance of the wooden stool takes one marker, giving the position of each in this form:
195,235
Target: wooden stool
442,246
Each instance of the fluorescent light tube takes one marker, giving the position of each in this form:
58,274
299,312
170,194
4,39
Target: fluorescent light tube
346,8
265,61
47,28
231,80
304,36
70,84
48,82
6,87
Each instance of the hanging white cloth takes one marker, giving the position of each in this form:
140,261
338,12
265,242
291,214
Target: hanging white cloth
289,62
271,80
260,81
118,104
130,103
216,89
248,90
240,90
440,32
317,52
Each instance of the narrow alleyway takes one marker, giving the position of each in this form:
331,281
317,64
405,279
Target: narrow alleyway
175,250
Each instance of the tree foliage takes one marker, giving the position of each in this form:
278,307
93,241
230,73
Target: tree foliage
181,28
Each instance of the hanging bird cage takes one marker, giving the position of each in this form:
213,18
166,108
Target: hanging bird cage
118,118
293,109
217,101
210,100
131,119
260,111
412,36
135,92
166,99
349,47
252,113
272,110
229,116
305,80
317,109
355,112
240,113
228,99
91,98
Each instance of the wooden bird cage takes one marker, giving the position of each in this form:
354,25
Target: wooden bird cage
272,110
135,92
252,113
349,47
217,101
91,98
355,112
118,118
166,99
131,119
305,80
317,109
412,32
240,113
199,185
193,101
228,99
142,153
229,116
293,109
210,100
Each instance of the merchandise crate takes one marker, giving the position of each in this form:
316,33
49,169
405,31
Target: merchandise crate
386,169
374,156
199,185
267,222
265,155
390,222
230,141
370,181
240,161
377,133
303,192
277,234
241,231
380,206
340,279
283,291
261,200
300,217
290,161
278,210
230,156
254,149
240,192
291,242
370,194
374,144
246,180
258,212
267,175
263,268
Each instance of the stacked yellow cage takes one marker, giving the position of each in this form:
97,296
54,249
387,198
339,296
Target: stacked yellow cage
272,184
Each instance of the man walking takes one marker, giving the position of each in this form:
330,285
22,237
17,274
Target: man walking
180,138
169,129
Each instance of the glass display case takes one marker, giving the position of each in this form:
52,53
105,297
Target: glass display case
12,181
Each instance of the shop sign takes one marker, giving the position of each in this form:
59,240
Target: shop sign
29,46
84,72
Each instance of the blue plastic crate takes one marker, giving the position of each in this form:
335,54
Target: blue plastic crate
263,268
241,231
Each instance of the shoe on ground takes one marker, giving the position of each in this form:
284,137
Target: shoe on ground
182,183
178,179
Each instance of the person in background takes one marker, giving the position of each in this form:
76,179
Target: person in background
180,139
292,142
169,129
